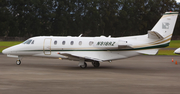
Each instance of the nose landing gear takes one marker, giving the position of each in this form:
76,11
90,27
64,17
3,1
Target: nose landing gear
18,62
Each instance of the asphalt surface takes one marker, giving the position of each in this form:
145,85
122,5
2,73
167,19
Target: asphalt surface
136,75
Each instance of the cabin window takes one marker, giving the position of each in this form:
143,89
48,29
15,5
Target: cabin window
63,43
72,42
80,42
55,42
90,43
27,41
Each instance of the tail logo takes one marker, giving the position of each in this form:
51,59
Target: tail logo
165,25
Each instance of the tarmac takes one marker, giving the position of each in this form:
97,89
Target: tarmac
136,75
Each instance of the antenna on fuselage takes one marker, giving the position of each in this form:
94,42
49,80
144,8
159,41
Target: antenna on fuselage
80,35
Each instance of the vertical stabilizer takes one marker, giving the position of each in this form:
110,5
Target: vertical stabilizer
164,27
161,33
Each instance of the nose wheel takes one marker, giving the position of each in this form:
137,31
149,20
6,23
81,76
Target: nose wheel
18,62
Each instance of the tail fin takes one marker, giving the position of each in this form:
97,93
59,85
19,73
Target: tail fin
164,27
161,33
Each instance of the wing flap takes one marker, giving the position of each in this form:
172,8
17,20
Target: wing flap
100,56
124,47
77,56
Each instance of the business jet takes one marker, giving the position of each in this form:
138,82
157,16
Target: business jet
97,49
177,51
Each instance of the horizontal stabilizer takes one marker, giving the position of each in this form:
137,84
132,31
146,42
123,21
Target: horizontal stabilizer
154,35
149,52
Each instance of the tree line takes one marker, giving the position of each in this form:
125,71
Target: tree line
27,18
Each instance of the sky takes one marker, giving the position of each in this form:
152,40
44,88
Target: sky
178,0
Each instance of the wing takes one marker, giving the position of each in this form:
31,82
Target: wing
75,55
149,51
124,47
93,55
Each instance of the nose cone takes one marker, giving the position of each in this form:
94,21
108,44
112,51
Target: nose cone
6,51
177,51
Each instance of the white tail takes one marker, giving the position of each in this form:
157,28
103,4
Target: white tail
161,33
164,27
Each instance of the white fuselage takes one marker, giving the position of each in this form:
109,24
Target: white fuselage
100,48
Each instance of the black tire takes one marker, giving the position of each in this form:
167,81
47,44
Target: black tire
18,62
83,66
96,64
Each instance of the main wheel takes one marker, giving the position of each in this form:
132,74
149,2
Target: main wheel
83,66
18,62
96,64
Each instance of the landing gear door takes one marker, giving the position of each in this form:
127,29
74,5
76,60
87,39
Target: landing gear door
47,46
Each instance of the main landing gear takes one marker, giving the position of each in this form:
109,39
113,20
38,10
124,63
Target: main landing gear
83,64
96,64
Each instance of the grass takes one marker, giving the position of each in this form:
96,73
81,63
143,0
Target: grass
5,44
166,52
173,44
9,43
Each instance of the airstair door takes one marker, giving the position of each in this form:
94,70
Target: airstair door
47,46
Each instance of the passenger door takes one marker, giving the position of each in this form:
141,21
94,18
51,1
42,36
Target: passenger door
47,46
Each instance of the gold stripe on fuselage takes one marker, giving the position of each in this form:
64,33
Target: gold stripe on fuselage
155,42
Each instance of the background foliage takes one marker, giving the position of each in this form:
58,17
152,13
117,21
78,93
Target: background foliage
27,18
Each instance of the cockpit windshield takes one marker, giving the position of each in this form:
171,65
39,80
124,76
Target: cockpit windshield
27,41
